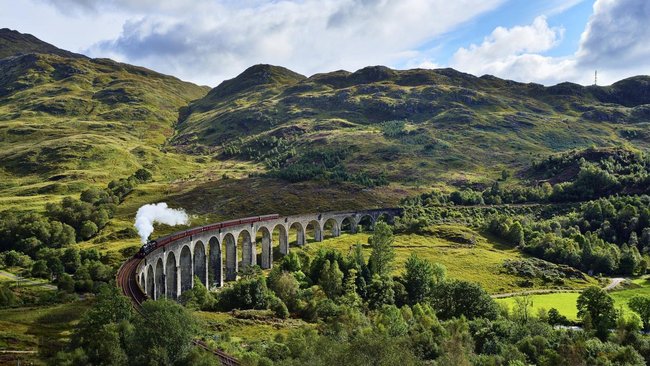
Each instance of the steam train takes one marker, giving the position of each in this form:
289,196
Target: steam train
153,244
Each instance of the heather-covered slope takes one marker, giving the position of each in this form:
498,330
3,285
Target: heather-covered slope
446,125
67,121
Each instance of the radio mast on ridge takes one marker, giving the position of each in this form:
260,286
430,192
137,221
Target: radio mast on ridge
595,77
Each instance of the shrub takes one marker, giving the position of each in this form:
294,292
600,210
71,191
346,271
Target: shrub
279,308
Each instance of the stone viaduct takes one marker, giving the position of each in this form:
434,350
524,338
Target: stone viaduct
213,256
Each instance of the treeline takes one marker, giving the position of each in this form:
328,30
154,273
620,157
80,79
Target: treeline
414,335
67,222
608,235
610,173
72,269
418,217
110,334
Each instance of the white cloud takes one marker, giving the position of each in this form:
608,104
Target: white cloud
211,41
614,42
207,41
95,6
513,53
560,6
617,35
427,64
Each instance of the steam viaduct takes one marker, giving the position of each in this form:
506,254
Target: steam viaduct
213,256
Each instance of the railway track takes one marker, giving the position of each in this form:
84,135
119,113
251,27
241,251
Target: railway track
125,279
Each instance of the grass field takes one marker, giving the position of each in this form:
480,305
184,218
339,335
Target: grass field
565,303
481,263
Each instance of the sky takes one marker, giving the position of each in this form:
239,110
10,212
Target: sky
208,41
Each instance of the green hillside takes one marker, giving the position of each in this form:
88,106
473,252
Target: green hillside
415,127
67,122
333,140
65,118
14,43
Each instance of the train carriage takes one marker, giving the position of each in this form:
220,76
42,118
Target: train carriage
153,244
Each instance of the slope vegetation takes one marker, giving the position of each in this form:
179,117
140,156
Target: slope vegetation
414,127
68,121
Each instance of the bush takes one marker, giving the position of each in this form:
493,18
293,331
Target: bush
40,270
65,283
555,318
455,298
245,294
143,175
198,297
13,258
279,308
7,297
88,229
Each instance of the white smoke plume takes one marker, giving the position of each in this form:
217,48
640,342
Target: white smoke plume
157,212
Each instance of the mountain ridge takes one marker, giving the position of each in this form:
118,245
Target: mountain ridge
13,43
449,119
376,125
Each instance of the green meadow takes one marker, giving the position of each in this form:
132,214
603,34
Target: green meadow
565,302
481,263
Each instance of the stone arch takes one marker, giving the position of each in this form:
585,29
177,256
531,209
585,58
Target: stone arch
199,261
314,230
365,223
171,276
300,233
267,247
187,274
159,274
282,238
331,228
150,283
349,225
231,257
247,245
215,266
143,283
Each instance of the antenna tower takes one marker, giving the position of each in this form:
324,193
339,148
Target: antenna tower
596,77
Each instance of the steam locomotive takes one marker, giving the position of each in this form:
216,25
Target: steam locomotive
153,244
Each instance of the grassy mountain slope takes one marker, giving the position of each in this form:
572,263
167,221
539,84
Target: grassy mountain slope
14,43
67,122
457,128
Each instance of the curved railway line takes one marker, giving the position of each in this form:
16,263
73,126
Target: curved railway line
126,280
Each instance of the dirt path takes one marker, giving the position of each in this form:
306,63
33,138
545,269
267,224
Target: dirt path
25,281
613,283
